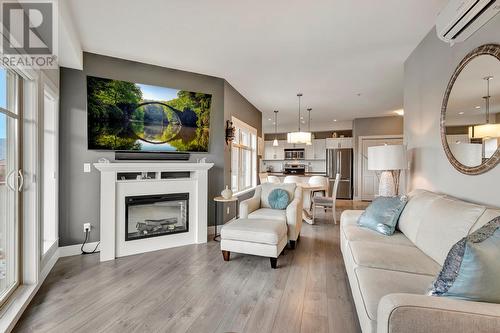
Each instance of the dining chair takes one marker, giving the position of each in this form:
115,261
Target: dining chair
291,179
273,179
327,202
263,177
318,181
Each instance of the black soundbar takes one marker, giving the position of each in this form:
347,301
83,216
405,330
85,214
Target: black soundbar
151,156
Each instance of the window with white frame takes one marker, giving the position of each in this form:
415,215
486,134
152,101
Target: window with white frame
243,157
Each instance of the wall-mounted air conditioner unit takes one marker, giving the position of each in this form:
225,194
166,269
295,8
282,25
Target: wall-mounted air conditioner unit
459,19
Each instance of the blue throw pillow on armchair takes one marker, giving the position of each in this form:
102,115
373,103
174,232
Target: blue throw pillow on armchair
383,214
278,199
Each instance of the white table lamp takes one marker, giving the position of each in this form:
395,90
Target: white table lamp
390,160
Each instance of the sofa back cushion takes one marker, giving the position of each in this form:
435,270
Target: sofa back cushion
488,215
445,222
268,187
412,216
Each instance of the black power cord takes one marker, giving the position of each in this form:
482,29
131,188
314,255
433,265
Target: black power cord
85,241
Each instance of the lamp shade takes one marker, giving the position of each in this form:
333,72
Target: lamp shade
299,137
388,157
484,131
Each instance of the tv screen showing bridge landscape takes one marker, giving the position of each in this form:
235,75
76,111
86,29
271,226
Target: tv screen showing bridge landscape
132,116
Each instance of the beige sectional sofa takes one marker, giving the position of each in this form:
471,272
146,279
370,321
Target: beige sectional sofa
390,275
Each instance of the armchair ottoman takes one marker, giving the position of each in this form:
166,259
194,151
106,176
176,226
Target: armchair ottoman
259,237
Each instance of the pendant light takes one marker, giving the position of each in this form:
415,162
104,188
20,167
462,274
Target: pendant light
299,136
309,125
487,130
275,142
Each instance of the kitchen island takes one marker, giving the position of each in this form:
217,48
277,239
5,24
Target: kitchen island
306,175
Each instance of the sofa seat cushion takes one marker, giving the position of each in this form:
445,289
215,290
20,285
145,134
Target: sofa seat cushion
350,217
394,257
268,214
255,231
357,233
375,283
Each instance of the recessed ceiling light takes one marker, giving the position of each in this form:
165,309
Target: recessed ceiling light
461,112
478,107
334,119
301,117
269,119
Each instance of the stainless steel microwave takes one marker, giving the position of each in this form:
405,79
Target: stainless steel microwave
294,154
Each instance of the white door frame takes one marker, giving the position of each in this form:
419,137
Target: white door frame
360,156
49,88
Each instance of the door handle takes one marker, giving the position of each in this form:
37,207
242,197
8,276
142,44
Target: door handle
7,180
21,180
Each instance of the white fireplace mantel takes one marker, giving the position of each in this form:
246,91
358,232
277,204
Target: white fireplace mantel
114,190
152,166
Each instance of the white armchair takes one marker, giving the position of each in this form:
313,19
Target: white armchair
258,207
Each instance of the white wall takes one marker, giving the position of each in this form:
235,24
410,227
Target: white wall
427,72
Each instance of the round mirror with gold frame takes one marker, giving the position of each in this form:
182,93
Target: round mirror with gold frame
470,114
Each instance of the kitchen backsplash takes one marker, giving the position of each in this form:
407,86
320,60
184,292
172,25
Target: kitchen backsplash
277,166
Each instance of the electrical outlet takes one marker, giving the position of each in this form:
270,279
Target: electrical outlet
86,227
227,210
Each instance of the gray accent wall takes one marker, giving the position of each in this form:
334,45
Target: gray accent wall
235,105
390,125
427,72
79,191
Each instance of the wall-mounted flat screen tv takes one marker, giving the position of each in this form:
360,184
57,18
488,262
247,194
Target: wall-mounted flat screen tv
130,116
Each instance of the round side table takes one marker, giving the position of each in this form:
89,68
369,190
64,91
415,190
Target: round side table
223,200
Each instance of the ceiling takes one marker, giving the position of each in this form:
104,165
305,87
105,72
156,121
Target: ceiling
345,56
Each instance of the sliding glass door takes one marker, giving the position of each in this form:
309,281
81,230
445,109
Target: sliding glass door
11,182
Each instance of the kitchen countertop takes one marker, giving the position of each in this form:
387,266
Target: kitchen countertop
307,174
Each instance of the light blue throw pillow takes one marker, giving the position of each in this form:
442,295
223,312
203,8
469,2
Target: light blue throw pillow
278,199
383,213
471,270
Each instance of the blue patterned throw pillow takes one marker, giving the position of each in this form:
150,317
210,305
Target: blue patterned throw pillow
278,199
383,213
471,270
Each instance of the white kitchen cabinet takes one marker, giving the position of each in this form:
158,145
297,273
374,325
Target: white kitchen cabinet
316,151
279,152
345,142
319,149
268,150
309,152
272,153
332,143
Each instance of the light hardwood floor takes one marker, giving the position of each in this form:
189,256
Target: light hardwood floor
191,289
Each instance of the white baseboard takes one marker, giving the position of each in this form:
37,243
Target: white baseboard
73,250
211,229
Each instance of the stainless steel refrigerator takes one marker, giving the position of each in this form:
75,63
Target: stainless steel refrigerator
340,161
